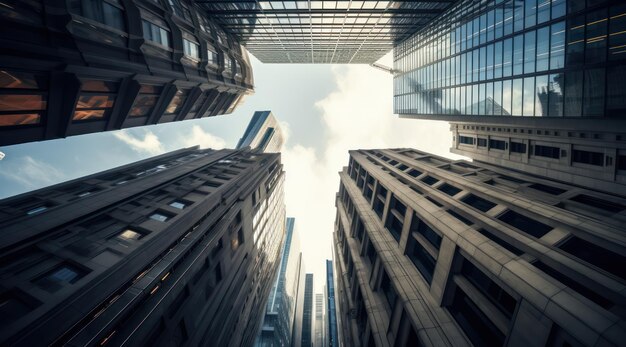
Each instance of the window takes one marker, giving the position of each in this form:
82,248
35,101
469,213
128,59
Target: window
145,101
415,173
395,218
525,224
430,180
500,241
557,46
602,204
547,189
547,151
388,290
478,203
449,189
107,12
37,210
22,98
156,33
191,49
600,257
379,200
60,276
422,260
418,226
466,140
517,147
96,100
180,9
593,96
237,240
491,290
476,325
213,57
497,144
178,204
482,142
177,102
160,216
129,235
586,157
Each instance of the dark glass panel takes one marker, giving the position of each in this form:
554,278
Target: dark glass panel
525,224
543,49
595,50
12,102
555,95
575,41
542,95
95,101
88,114
573,93
593,97
478,203
557,45
19,119
616,91
21,80
605,259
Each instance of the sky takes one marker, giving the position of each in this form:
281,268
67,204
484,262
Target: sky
324,111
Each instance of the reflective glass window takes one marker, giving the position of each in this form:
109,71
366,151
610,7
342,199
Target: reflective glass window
617,32
555,95
155,33
96,100
145,101
497,98
499,22
543,49
191,49
177,102
557,45
507,58
518,15
506,98
529,52
616,91
595,50
542,95
528,108
573,93
508,17
558,8
530,15
518,54
108,12
517,97
575,41
593,97
543,11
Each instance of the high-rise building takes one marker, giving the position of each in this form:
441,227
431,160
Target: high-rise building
436,252
591,159
283,314
335,32
179,249
332,338
76,67
307,315
532,58
263,132
319,320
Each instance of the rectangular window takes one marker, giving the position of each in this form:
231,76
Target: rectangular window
191,49
528,107
177,102
547,189
476,325
482,142
497,144
466,140
543,48
145,101
422,260
616,89
129,235
478,203
525,224
156,34
160,216
602,204
178,204
595,48
418,226
96,100
600,257
491,290
586,157
575,40
60,276
395,218
213,57
429,180
517,147
22,98
516,96
529,52
449,189
388,290
557,46
518,54
593,96
547,151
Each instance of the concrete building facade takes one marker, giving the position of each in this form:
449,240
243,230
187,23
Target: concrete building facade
263,132
77,67
176,250
436,252
322,32
592,159
283,314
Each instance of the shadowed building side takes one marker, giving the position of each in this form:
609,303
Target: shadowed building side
77,67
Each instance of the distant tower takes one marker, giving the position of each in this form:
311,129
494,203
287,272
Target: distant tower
263,132
307,321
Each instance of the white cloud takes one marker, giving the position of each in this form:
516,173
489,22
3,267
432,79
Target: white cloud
149,144
358,114
203,139
31,173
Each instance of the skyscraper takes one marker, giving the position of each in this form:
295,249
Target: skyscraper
332,338
307,316
436,252
179,249
536,58
584,157
263,132
283,314
335,32
319,320
77,67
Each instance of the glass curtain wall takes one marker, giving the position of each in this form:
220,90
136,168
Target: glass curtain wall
542,58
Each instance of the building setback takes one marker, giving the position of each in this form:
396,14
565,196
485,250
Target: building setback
307,316
595,160
283,314
263,132
77,67
435,252
322,32
551,59
332,338
178,249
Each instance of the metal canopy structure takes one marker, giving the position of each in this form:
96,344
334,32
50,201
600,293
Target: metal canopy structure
322,32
